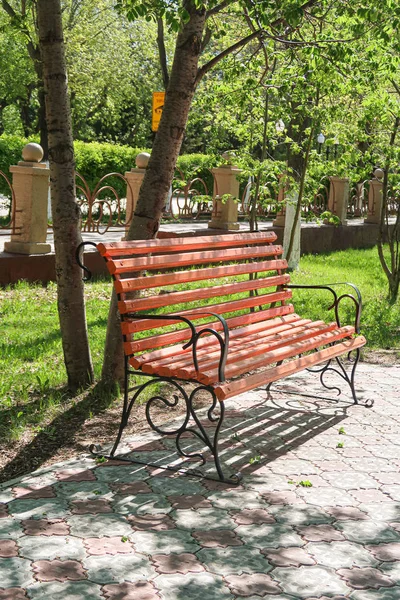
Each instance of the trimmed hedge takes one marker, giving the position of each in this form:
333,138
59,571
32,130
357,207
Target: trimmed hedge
94,160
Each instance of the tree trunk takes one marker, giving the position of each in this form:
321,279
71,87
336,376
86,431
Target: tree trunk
159,173
71,306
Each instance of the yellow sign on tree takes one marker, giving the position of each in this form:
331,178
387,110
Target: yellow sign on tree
157,108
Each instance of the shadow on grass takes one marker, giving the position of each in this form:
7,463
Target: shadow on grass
63,428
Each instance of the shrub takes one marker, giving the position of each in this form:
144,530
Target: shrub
10,154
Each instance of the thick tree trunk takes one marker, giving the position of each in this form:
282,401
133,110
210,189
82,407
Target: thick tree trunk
71,306
159,173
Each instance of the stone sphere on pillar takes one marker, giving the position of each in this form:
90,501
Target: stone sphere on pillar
142,160
379,173
32,152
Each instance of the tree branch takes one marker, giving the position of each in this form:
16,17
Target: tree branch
162,52
208,66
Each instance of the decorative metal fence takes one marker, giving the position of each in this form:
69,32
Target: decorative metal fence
8,210
103,207
190,197
267,202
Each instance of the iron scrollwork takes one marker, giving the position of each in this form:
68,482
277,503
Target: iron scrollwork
341,371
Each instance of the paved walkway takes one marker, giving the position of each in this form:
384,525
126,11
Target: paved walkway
317,516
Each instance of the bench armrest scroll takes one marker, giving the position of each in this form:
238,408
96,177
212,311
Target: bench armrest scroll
223,341
78,256
337,299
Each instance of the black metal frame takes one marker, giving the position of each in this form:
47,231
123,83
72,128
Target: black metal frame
348,378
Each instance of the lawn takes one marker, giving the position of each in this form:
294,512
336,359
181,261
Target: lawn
32,384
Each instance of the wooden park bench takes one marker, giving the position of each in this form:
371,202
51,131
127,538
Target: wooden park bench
216,312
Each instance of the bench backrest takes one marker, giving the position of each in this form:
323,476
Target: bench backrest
164,275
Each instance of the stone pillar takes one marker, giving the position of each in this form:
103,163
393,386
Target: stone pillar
135,179
375,197
338,199
30,181
225,214
280,218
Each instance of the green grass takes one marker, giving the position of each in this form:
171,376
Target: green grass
33,377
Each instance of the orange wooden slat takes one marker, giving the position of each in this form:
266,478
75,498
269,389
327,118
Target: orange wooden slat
272,316
287,351
190,243
184,259
220,309
253,355
208,344
203,293
129,285
239,349
250,382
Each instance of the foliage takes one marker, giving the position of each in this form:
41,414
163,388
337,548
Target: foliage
10,153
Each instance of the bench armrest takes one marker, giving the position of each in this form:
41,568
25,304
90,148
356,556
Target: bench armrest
337,299
223,340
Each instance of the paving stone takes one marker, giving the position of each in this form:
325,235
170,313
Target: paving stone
217,539
381,594
347,513
107,545
83,507
382,511
203,519
365,578
196,586
177,563
267,481
68,590
140,590
393,491
327,466
232,500
234,560
386,552
368,532
350,480
8,548
122,473
83,490
141,504
257,584
370,465
45,527
304,582
392,570
269,536
283,497
118,568
58,570
284,466
51,547
326,497
15,572
387,451
13,593
164,542
288,557
106,525
75,475
252,516
367,496
341,554
320,533
3,511
158,522
10,528
300,514
189,501
51,508
33,492
174,486
128,489
387,478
